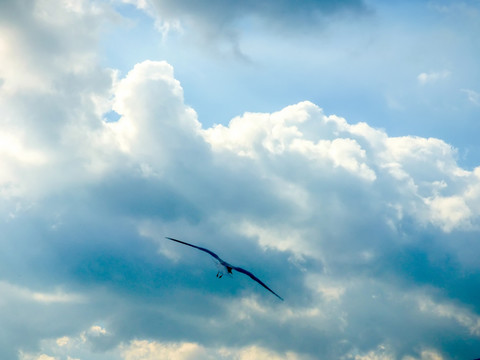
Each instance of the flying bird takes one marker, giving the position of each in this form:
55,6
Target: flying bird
227,267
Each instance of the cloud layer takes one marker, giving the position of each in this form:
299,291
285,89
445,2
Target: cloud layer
371,239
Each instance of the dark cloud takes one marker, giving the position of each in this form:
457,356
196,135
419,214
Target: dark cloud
285,12
219,23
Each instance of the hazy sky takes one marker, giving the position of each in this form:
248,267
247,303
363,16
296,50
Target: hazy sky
330,147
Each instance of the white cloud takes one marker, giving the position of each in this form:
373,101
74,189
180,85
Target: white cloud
329,290
46,42
427,355
153,114
432,77
63,341
97,330
282,132
16,293
36,357
85,345
145,350
152,350
462,316
382,353
415,165
449,212
141,4
473,96
345,153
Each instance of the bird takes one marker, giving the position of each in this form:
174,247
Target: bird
224,266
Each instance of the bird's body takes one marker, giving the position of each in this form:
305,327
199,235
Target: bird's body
225,267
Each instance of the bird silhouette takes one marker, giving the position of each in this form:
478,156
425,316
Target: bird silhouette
227,267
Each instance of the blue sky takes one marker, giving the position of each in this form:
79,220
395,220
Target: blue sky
330,148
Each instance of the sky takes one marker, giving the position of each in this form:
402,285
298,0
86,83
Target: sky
329,147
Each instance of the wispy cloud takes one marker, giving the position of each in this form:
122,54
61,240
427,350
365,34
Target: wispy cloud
473,96
25,294
432,77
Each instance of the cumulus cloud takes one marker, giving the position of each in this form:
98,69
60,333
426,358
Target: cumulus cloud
371,239
290,193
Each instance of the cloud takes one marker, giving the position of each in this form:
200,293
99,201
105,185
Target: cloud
88,344
382,353
221,24
209,181
370,238
150,350
473,96
144,350
432,77
166,175
35,357
220,14
46,298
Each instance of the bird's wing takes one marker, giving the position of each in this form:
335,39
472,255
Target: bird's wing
197,247
256,279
